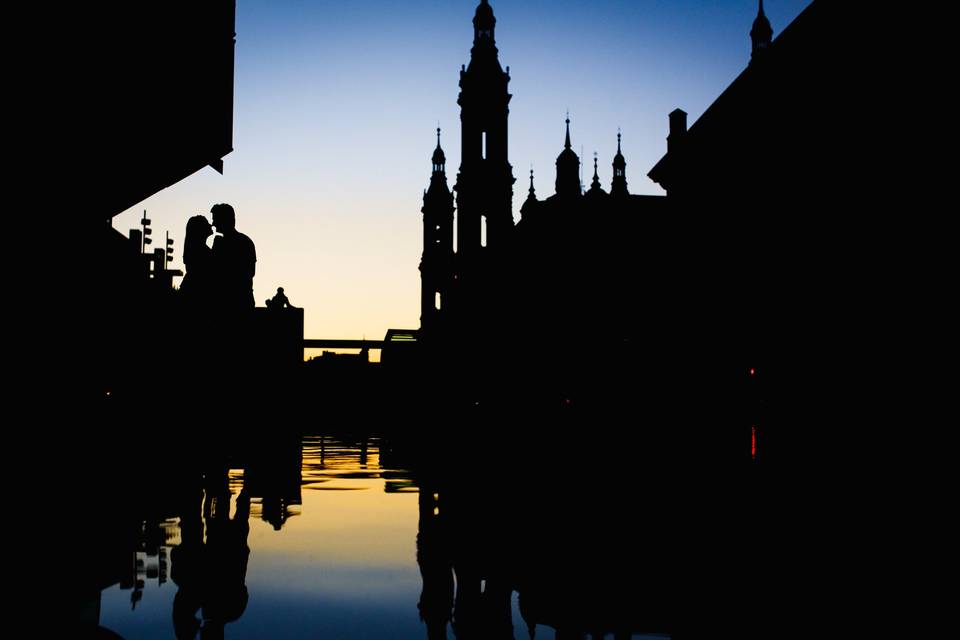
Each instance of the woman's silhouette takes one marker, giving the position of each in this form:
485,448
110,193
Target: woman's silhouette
197,286
197,304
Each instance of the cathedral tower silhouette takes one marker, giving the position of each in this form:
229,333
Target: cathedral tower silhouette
567,251
436,265
485,181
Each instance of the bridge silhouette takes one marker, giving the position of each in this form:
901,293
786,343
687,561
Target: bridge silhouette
394,337
280,331
324,343
406,336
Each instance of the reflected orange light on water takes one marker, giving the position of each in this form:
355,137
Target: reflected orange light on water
345,516
356,524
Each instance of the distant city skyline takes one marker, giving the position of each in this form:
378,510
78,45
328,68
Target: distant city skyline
336,107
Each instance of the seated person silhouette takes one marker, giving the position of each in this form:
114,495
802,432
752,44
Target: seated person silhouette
279,301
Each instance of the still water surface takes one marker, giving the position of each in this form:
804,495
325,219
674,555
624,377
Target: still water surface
322,545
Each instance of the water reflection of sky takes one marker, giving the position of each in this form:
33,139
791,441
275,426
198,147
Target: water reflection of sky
343,565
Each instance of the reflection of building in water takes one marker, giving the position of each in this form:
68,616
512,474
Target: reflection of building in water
467,579
436,566
148,560
576,562
328,461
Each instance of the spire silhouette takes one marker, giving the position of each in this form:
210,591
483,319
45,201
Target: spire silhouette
485,182
437,240
568,168
618,186
438,180
595,188
761,35
439,158
484,23
530,204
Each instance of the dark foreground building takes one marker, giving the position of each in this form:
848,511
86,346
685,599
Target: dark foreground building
772,194
150,102
160,96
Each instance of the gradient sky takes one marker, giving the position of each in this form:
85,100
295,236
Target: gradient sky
336,106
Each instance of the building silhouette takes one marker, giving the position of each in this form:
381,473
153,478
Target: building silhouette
565,266
459,289
165,109
436,265
774,182
750,274
151,103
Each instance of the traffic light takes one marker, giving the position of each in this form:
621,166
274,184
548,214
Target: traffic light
147,231
169,248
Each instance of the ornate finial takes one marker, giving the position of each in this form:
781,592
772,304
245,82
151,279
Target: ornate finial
531,179
439,158
567,143
618,139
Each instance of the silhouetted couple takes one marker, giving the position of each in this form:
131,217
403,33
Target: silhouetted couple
211,575
218,278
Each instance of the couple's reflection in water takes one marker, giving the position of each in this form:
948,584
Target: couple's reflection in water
210,563
209,566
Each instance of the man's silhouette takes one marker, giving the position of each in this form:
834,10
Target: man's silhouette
235,262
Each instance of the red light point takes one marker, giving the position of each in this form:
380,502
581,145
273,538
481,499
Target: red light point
753,371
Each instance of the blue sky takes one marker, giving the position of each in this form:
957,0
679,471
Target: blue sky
336,106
